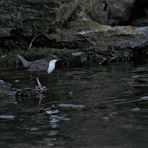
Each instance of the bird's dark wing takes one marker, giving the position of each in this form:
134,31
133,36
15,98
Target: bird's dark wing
38,65
24,61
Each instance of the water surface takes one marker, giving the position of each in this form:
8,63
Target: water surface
93,107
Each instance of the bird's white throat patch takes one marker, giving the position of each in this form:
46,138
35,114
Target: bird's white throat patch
51,66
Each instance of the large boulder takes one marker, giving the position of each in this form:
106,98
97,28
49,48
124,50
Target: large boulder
120,11
34,17
72,25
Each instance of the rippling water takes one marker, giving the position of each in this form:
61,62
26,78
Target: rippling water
99,107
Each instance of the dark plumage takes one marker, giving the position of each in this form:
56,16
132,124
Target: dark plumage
37,65
44,64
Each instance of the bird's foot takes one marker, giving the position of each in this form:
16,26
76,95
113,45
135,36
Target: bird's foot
40,87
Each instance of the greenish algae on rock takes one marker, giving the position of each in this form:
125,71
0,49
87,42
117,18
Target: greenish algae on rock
72,29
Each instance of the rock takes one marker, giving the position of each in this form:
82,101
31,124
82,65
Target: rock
7,117
120,11
79,57
72,106
140,22
13,94
16,81
4,84
74,26
140,40
136,109
26,20
6,89
144,98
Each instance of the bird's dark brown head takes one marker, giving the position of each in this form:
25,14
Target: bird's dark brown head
54,57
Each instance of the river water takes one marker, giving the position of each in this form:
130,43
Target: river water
93,107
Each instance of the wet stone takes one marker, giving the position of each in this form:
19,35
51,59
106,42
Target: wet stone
144,98
71,106
7,117
136,109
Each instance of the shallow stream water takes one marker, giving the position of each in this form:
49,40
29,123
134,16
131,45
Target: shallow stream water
95,107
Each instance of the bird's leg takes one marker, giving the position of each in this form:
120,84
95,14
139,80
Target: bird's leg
39,84
41,88
41,96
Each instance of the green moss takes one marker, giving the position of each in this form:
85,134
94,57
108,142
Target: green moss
88,6
84,25
10,59
7,59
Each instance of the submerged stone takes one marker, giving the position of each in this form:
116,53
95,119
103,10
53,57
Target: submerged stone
7,117
71,106
137,109
144,98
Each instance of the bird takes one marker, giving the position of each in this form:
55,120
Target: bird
45,64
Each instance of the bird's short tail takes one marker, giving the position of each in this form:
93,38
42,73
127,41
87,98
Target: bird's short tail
24,61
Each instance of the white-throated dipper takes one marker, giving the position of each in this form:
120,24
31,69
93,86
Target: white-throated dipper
44,64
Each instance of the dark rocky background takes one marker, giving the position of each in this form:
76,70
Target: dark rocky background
100,31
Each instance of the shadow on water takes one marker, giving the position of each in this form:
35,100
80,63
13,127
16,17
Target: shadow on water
95,107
